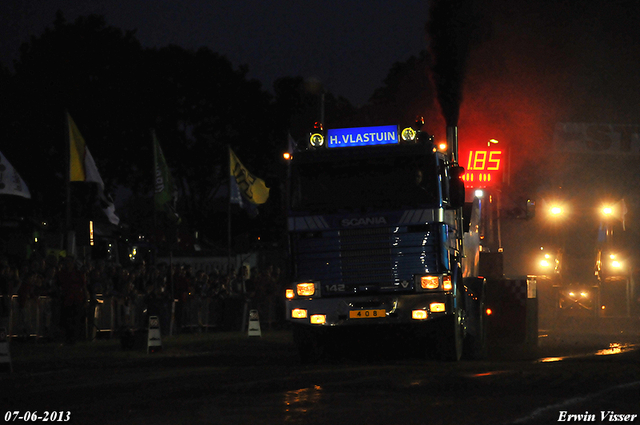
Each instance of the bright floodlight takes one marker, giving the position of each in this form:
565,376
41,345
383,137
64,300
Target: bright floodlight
607,211
479,193
556,210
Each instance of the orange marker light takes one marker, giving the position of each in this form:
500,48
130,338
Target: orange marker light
446,283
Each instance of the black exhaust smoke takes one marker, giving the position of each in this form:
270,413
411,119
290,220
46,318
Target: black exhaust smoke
454,27
452,142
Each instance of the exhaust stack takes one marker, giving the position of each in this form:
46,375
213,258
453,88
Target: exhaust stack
452,143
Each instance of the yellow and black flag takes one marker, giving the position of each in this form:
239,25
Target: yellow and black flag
245,186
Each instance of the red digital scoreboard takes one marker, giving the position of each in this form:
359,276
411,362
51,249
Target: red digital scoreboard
482,167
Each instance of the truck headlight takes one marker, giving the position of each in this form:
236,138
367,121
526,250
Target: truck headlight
306,289
299,313
437,307
429,282
419,315
318,319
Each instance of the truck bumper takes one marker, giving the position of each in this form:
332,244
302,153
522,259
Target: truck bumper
370,310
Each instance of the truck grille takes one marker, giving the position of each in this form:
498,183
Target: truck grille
366,260
366,256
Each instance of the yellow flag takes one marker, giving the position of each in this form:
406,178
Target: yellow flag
77,149
252,188
82,168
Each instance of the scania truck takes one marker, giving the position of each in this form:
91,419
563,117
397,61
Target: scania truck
378,238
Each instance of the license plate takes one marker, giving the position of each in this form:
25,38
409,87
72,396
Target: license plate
367,314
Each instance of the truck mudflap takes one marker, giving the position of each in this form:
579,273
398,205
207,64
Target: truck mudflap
512,312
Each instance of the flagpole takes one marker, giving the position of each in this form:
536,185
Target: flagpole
67,162
154,168
229,213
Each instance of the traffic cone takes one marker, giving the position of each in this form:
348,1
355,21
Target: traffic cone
5,356
154,341
254,323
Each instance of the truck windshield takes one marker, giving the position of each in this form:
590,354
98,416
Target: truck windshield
356,183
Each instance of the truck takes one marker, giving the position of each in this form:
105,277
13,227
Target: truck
613,265
383,237
588,262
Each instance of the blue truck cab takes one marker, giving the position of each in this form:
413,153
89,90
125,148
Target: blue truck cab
376,238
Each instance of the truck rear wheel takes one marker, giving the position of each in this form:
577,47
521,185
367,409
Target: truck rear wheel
475,342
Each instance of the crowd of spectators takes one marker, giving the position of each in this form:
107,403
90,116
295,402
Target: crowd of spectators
182,297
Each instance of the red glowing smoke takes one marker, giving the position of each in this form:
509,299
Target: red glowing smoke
498,75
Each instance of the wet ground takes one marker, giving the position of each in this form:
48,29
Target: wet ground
229,378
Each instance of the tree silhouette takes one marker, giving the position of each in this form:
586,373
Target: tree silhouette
197,102
117,92
83,68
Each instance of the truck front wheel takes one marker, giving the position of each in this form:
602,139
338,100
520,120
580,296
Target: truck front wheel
450,332
450,337
309,342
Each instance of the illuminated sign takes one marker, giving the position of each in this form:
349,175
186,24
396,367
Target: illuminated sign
362,136
483,167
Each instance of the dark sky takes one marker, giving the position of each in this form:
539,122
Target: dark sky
351,45
348,45
549,61
541,62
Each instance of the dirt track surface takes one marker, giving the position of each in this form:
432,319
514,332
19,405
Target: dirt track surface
228,378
